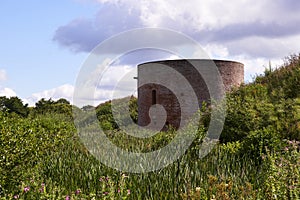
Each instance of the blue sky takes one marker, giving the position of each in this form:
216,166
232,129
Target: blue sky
45,43
32,61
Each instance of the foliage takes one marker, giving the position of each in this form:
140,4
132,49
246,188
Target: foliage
105,116
282,174
254,145
24,142
283,82
61,106
262,104
257,157
14,105
111,119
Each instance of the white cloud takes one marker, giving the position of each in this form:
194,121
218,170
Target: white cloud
64,91
173,57
4,91
265,47
208,21
207,14
215,51
106,82
114,74
256,66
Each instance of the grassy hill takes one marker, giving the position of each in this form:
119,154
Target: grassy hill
257,157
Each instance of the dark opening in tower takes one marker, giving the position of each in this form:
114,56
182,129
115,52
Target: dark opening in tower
153,97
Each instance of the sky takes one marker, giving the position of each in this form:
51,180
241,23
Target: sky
45,44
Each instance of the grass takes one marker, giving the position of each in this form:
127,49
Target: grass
71,172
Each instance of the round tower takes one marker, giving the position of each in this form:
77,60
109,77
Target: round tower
158,79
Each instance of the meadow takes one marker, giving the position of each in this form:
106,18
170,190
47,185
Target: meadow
257,155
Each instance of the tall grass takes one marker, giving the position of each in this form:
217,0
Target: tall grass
68,170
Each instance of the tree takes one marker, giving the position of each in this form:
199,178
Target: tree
44,106
14,105
62,101
61,106
88,108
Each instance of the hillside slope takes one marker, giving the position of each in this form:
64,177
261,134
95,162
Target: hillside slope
271,101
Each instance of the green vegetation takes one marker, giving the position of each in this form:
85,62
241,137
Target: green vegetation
258,156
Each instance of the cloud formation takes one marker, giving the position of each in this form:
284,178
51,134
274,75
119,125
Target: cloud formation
115,82
84,34
258,24
4,91
64,91
104,82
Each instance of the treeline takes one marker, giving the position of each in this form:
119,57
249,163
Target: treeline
14,105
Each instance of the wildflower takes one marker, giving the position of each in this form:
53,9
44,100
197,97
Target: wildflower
26,189
124,176
291,187
101,179
107,178
16,196
119,190
105,193
68,197
128,192
77,192
286,148
42,189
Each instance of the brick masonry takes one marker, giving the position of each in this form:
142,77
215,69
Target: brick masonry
160,82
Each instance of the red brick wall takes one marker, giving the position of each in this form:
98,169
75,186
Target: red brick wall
232,74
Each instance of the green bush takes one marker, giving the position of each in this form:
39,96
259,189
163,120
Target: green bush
256,143
24,142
